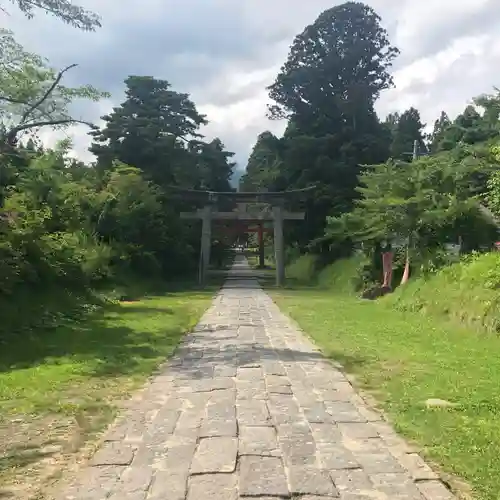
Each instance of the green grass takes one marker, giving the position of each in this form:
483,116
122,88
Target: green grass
60,385
406,358
466,292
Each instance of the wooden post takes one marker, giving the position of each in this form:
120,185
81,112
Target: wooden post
279,244
206,241
260,233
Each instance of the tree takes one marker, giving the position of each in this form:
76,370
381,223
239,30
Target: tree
422,203
490,103
214,165
336,66
470,127
327,88
391,121
151,130
138,221
31,93
406,130
441,125
65,10
263,164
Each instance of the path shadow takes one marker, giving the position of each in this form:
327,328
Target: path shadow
234,353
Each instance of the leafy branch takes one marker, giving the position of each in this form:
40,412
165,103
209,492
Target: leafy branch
65,10
33,95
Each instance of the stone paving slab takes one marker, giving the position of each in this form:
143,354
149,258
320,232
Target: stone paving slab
248,408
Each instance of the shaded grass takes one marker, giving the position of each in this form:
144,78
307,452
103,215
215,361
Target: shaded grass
406,358
62,383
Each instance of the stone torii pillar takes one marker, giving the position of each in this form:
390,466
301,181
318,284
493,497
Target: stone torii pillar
279,246
279,215
206,242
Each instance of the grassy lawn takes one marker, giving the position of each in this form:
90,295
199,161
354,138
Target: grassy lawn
62,385
405,359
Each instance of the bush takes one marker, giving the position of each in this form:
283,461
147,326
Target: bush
303,270
65,228
346,276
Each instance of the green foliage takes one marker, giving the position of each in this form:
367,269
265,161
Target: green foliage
47,236
493,193
465,292
263,164
345,276
405,130
303,270
156,129
441,125
31,93
478,123
69,226
65,10
424,203
319,75
332,126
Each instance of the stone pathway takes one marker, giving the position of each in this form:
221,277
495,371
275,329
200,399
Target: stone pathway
248,407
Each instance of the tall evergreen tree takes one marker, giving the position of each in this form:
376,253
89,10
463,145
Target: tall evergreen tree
327,88
336,68
263,164
441,125
214,165
406,131
150,130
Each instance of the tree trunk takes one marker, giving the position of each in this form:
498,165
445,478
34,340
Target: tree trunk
406,272
387,269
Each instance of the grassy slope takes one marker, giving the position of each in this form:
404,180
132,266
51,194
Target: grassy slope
404,358
466,292
59,387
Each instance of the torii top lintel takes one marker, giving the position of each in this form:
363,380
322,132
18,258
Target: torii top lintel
242,196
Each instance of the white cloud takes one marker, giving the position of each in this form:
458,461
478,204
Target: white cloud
225,53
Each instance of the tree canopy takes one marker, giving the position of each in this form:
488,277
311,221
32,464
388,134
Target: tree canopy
31,93
327,88
65,10
156,129
67,222
337,65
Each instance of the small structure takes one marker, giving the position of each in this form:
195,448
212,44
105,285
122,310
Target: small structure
274,212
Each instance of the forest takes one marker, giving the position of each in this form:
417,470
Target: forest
381,184
71,226
81,243
66,224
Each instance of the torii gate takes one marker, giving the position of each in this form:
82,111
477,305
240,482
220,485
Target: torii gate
276,214
258,229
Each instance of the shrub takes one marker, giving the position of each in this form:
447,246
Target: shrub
303,270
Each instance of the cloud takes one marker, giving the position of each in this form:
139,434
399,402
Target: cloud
225,53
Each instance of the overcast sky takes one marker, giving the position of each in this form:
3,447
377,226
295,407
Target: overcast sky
225,52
